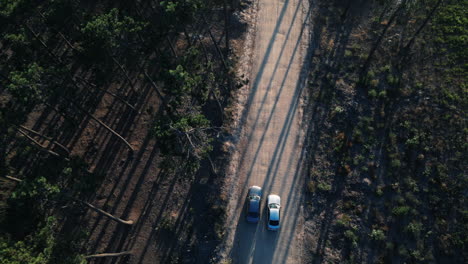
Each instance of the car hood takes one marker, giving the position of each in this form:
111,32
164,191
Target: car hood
255,190
272,198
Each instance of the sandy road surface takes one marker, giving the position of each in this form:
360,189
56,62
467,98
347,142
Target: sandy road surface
271,142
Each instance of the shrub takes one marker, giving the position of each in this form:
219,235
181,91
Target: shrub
357,135
322,186
379,191
401,210
167,223
223,261
389,246
343,221
338,109
395,163
374,83
377,235
413,141
416,254
402,251
382,94
385,68
372,93
392,79
414,228
351,237
349,205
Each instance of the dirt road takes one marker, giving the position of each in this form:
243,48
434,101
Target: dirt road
270,149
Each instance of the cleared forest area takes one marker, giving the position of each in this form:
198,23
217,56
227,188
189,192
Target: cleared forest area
387,172
109,111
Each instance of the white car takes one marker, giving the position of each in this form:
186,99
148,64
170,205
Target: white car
273,208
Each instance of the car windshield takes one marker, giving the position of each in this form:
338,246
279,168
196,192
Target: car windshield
255,197
274,223
253,214
274,206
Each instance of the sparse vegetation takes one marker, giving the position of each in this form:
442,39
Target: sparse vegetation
401,133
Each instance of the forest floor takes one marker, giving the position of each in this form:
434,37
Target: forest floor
176,214
367,188
175,217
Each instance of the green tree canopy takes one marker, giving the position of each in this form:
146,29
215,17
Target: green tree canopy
110,31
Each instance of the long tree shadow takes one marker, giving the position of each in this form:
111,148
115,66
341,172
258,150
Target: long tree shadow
116,243
157,231
108,159
291,112
125,183
273,167
319,114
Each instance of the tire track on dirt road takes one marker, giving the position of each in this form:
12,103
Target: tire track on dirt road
270,149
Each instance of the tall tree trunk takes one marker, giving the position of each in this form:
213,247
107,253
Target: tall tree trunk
125,222
155,88
108,92
38,145
36,36
205,52
345,13
13,179
102,124
215,44
171,46
226,25
382,35
70,76
387,6
60,34
48,138
407,48
102,255
61,113
124,71
187,37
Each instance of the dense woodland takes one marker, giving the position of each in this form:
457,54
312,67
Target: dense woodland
388,138
88,89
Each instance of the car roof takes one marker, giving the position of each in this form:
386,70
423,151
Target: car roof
254,206
274,214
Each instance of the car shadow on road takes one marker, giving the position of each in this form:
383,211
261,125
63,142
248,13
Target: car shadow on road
252,232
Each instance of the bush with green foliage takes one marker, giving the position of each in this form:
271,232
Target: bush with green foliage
377,235
36,248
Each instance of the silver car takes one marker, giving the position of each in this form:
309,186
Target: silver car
273,209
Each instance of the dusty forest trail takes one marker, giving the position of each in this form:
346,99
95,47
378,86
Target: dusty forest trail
270,148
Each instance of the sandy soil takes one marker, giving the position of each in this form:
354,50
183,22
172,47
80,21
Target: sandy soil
269,150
